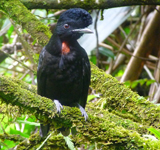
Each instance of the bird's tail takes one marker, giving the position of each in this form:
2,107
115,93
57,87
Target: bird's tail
44,129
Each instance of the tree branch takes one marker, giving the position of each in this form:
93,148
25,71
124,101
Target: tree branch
19,13
86,4
109,130
122,101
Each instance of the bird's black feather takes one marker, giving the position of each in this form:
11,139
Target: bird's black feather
64,69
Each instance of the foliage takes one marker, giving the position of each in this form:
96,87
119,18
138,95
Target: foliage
155,132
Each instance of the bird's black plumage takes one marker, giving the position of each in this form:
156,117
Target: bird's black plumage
64,70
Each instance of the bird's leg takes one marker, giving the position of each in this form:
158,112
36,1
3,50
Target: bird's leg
58,106
83,112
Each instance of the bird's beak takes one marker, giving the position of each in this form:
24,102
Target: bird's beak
84,30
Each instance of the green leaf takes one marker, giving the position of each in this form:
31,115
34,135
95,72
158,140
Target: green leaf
90,97
12,131
142,81
1,41
149,82
10,31
127,30
10,127
106,52
9,144
93,59
127,83
134,84
155,132
34,42
69,143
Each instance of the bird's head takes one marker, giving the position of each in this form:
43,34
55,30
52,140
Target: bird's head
72,24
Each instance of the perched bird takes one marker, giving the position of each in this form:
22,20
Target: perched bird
64,70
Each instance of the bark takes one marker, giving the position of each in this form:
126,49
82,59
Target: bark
86,4
149,41
154,92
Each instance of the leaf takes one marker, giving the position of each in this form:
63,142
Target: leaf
69,143
14,131
10,127
93,59
155,132
9,144
90,97
149,82
142,81
106,52
1,41
10,31
127,83
127,30
34,42
134,84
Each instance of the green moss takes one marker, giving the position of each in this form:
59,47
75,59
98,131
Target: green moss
105,131
19,13
118,98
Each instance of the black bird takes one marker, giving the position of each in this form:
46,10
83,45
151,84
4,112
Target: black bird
64,70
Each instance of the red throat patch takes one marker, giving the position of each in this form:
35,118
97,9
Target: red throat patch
65,48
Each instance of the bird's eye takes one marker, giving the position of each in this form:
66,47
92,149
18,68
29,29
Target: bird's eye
66,26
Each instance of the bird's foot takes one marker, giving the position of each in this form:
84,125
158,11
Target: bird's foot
58,106
83,112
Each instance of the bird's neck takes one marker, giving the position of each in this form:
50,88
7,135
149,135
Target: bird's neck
57,46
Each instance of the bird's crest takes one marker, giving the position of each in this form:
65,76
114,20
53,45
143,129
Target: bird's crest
78,14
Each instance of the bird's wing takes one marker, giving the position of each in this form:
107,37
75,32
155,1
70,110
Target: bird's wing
41,75
86,80
41,87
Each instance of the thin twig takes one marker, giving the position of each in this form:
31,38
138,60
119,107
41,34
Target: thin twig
151,58
54,15
106,46
97,39
25,74
17,61
133,29
26,46
44,141
141,27
12,69
126,36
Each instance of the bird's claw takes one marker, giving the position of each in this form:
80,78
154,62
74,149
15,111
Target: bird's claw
83,112
58,106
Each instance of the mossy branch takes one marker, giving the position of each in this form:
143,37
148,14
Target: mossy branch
119,99
86,4
110,131
21,15
15,138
